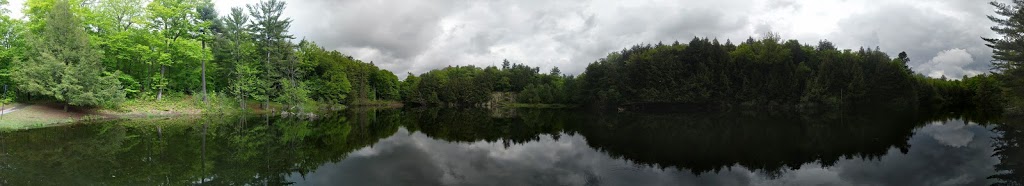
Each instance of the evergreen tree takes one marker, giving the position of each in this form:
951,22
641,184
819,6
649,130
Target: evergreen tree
236,47
272,38
61,64
1008,51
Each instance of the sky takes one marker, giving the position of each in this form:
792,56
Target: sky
942,38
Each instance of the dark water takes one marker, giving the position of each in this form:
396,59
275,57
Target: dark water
524,147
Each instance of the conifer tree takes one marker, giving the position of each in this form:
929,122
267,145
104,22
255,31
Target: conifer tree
61,64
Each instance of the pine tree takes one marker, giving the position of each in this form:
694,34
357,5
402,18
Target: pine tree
235,38
1008,51
271,30
61,64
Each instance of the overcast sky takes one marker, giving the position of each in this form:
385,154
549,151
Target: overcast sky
941,37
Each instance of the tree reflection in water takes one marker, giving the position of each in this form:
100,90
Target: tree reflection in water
233,151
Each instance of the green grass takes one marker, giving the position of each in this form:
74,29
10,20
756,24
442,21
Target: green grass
177,104
172,104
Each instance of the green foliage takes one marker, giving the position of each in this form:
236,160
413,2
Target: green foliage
62,65
12,48
332,86
767,73
472,86
144,49
1008,50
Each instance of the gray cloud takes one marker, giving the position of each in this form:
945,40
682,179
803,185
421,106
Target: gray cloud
924,31
416,36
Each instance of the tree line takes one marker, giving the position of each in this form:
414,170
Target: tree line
471,85
704,73
100,53
770,72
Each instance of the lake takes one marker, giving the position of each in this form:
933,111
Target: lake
524,147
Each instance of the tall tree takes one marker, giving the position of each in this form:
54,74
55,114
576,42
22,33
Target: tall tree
1008,51
61,64
236,42
207,17
119,32
271,30
11,42
174,21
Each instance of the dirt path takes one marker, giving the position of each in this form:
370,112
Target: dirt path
8,108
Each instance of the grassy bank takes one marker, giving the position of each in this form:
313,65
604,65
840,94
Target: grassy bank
30,115
36,115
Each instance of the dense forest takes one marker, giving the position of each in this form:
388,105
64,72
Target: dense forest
471,85
101,53
772,73
761,73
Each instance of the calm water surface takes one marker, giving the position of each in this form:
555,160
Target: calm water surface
523,147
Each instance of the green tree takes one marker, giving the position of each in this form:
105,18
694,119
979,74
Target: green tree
61,64
121,35
234,47
174,21
11,44
207,26
270,31
1008,51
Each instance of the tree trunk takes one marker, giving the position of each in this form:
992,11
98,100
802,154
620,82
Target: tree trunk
65,107
241,101
238,76
266,106
204,84
160,93
163,68
205,100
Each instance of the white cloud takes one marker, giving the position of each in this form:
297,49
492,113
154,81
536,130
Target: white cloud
949,63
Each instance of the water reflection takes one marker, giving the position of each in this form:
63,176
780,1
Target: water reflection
1009,148
474,147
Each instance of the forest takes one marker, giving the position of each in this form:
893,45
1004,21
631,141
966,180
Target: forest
102,53
770,72
757,73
